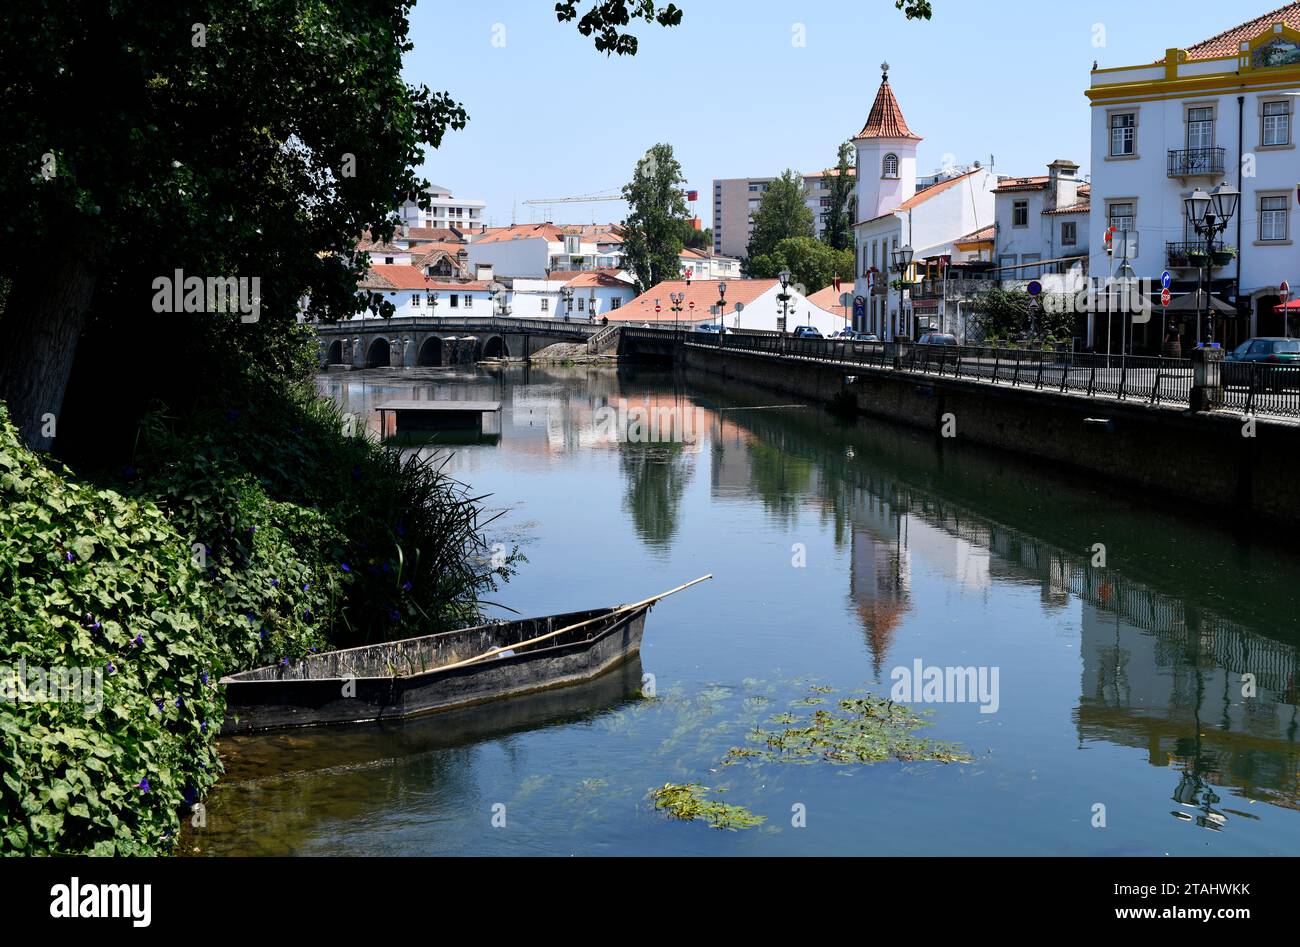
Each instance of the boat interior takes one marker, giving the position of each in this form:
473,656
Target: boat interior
428,653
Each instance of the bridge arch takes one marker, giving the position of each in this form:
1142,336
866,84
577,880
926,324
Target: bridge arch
377,356
496,347
430,353
334,356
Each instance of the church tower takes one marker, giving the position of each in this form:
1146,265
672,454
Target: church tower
886,156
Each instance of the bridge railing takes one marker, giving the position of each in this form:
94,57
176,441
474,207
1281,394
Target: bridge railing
494,323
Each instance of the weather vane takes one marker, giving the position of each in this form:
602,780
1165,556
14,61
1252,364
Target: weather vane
884,67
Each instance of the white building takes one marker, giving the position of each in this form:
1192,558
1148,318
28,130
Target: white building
892,213
1219,112
697,264
412,293
445,211
533,250
581,296
736,199
1042,228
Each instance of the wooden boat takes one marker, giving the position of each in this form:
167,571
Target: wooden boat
400,679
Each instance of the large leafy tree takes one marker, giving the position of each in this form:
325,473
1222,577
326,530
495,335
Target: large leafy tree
782,213
653,231
839,221
812,264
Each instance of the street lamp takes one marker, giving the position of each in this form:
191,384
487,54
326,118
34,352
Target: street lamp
677,300
784,277
902,259
566,294
1209,215
496,290
722,302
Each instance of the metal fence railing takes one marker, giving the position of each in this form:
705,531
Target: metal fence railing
1262,387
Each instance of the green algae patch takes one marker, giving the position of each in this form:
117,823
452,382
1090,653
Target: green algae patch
689,803
860,730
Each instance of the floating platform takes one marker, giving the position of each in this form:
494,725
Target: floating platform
425,417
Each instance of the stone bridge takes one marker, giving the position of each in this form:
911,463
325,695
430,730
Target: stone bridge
433,342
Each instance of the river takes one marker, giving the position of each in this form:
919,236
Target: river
1118,632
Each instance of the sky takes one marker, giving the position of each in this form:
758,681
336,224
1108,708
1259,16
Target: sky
747,88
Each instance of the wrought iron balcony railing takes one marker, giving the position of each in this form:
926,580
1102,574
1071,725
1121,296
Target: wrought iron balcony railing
1189,162
1193,254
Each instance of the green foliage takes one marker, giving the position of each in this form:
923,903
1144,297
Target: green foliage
693,239
91,579
839,224
1000,313
604,18
653,232
812,264
688,802
781,214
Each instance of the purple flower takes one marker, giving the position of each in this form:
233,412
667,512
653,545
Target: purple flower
180,702
203,728
252,529
345,567
406,586
284,662
111,668
394,614
204,677
306,586
275,583
307,614
69,556
143,785
137,640
263,635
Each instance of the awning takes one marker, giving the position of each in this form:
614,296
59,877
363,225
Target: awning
1195,302
1292,307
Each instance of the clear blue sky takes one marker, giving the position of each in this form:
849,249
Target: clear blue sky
551,117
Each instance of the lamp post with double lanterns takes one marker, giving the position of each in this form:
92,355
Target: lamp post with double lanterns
902,260
1209,215
784,299
497,295
677,300
566,296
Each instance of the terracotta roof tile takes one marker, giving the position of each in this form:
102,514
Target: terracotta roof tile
704,293
396,276
829,298
1228,43
1036,183
886,118
1081,207
979,236
598,278
523,232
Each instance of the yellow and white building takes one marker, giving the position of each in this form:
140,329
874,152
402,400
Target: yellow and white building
1220,112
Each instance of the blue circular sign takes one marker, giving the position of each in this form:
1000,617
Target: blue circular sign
1165,279
1034,287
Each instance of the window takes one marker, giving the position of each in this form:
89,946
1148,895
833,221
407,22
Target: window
455,301
415,299
388,260
616,302
469,301
1200,128
1272,218
546,304
1005,263
1069,233
1031,272
582,304
1120,216
1277,124
889,167
1123,128
1020,214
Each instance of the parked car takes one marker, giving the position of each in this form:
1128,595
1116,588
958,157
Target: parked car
844,335
868,337
1278,358
806,332
711,327
937,338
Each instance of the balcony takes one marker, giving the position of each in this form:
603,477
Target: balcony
1192,255
1190,162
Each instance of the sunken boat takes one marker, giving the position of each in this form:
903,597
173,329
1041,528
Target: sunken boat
396,680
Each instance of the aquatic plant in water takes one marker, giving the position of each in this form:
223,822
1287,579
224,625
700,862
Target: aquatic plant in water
688,803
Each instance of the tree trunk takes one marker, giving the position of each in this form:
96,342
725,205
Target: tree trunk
47,308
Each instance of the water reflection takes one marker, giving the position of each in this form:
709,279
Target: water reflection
1124,682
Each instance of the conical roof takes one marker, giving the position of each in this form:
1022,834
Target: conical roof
886,118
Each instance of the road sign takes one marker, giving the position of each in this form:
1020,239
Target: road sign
691,305
846,299
1285,290
1166,279
1165,297
1034,288
658,308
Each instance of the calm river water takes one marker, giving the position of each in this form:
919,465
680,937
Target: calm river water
841,551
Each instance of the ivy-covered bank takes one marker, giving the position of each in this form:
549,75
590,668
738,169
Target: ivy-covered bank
257,533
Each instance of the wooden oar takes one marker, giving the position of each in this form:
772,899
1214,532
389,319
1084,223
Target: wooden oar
590,621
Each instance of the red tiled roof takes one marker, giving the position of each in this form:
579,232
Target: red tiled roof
829,298
1228,43
425,249
704,293
1081,207
393,276
1036,183
598,278
886,118
522,232
430,233
368,246
979,236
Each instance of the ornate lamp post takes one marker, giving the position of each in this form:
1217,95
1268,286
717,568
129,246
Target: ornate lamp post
784,299
902,260
566,295
677,300
722,302
1209,215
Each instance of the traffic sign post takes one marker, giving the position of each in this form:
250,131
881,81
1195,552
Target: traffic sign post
1165,297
